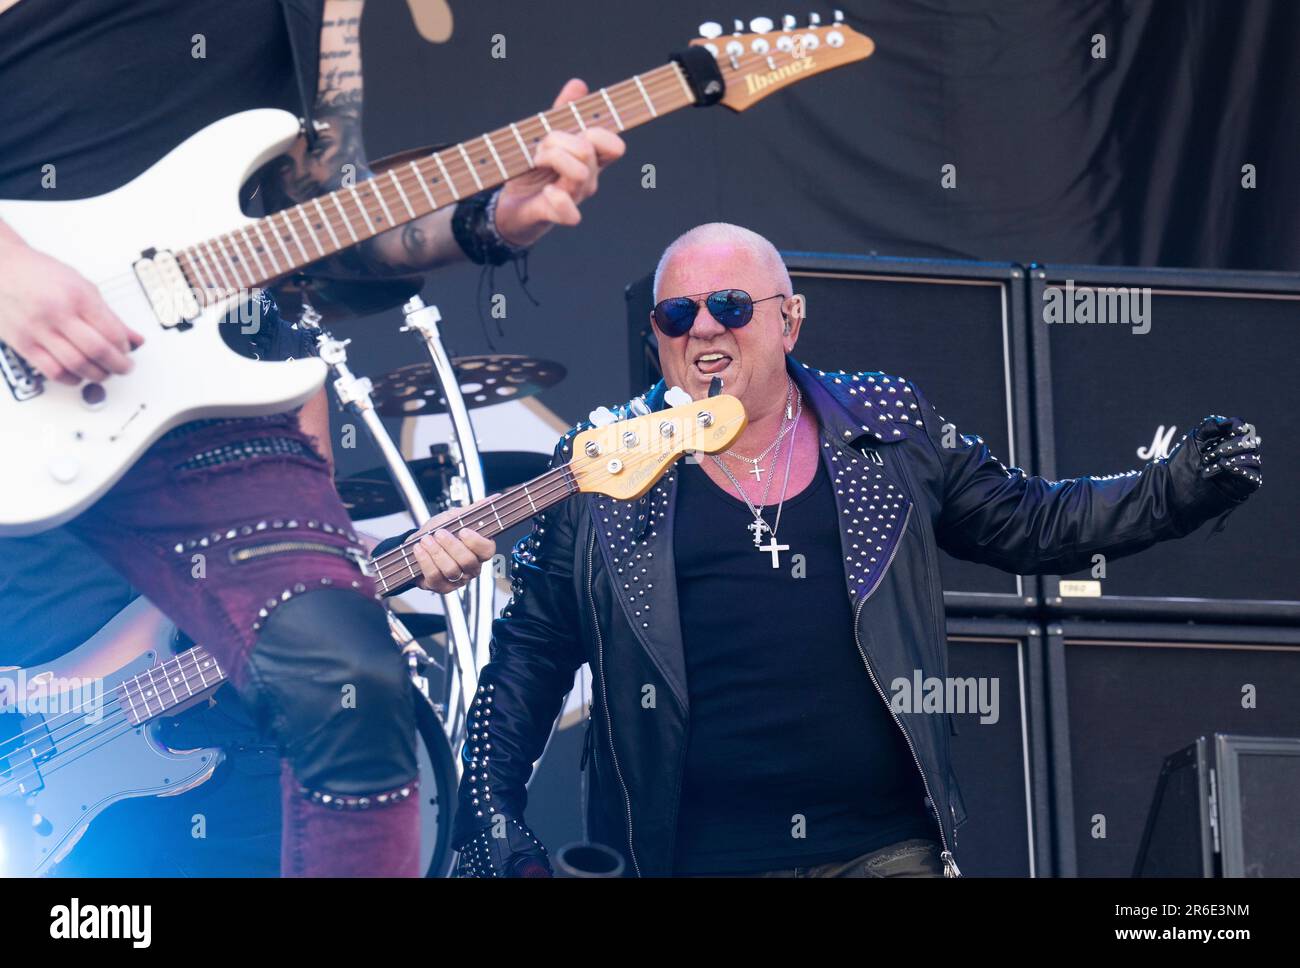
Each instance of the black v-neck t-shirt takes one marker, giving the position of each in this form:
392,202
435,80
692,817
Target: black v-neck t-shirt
793,757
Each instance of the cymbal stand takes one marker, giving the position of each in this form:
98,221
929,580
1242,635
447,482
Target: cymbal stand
354,395
423,321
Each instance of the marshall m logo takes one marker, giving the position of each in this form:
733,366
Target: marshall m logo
1161,445
756,82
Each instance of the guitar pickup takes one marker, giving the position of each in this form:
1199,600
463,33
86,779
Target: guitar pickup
169,293
23,381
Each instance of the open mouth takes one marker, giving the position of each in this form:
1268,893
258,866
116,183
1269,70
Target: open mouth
711,363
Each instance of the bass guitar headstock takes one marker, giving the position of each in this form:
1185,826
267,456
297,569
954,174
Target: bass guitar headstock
623,460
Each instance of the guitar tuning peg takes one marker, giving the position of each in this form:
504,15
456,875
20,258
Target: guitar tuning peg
710,30
602,417
677,397
638,406
839,16
814,19
788,22
761,25
740,26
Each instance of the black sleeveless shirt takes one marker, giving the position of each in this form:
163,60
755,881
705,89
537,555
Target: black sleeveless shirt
792,758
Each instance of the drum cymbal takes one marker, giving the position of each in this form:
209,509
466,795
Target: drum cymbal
339,298
373,494
422,624
484,380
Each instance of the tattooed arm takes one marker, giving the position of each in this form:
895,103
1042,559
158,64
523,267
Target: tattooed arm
566,174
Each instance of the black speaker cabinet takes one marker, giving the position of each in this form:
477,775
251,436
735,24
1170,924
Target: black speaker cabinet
1002,764
955,328
1122,695
1110,395
1225,806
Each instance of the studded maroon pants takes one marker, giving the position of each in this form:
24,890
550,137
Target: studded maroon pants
218,525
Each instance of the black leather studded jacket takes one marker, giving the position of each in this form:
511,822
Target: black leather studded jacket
594,582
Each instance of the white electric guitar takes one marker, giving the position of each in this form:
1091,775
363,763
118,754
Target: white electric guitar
173,254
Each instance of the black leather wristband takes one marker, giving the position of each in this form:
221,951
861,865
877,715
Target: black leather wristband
474,226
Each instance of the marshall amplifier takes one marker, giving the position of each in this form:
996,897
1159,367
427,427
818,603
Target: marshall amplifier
1225,806
955,328
1121,696
999,749
1126,361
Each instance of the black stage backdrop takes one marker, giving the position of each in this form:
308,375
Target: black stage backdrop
1060,155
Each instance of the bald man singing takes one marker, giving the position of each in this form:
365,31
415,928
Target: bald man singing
748,621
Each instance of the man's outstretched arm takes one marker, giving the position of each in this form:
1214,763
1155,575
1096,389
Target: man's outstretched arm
1028,525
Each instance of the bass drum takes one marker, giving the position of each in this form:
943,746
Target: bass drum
437,788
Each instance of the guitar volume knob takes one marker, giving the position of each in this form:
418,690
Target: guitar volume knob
64,468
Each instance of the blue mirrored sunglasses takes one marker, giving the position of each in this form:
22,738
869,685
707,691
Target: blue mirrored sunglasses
733,308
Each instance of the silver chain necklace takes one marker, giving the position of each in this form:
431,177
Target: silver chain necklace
785,427
760,525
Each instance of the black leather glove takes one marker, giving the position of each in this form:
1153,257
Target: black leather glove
509,850
1228,449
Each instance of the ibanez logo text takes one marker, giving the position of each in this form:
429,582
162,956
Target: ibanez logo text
756,82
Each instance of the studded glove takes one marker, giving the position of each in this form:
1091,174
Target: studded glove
1228,451
504,849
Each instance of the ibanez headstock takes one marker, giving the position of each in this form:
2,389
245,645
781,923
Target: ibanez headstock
766,59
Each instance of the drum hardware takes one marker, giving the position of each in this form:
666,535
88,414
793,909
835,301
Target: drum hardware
422,625
438,780
414,390
468,648
339,298
354,395
587,859
372,493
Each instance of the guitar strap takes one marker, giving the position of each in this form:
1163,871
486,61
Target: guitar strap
303,18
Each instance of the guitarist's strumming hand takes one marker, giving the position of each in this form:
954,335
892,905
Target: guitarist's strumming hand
56,319
449,560
568,167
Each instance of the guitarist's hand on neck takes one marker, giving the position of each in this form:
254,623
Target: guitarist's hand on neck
567,169
567,166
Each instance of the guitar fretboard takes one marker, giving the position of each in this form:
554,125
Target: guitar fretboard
169,684
272,247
